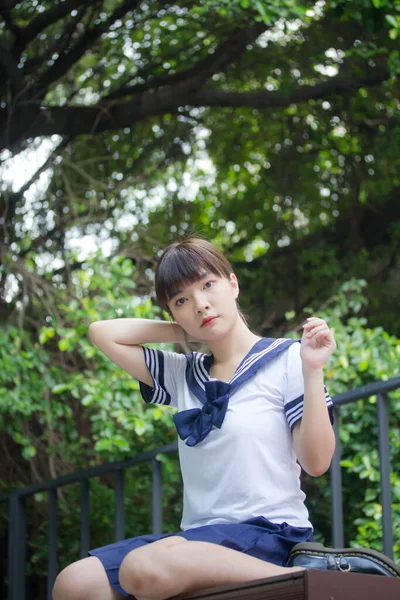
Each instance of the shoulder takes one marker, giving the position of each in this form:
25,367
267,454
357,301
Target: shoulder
294,349
268,354
280,354
292,357
282,348
164,359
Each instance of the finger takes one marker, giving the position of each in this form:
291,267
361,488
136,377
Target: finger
312,322
317,330
312,326
325,339
323,336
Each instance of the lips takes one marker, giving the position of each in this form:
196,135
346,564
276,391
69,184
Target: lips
208,320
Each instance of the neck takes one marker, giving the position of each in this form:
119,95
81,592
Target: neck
235,345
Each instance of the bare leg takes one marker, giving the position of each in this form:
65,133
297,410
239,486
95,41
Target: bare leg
85,579
174,565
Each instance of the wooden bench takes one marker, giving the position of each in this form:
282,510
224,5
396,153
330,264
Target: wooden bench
311,584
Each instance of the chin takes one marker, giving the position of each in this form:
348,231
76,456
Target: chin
216,336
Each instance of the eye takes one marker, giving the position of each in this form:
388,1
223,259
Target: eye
180,301
208,284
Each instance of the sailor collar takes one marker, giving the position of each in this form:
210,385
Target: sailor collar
195,424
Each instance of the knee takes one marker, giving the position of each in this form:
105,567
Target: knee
141,578
73,583
146,571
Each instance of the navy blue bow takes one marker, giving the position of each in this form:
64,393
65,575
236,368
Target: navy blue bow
195,424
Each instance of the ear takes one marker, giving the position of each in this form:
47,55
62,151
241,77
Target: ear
234,283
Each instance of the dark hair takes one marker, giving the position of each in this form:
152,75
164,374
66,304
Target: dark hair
186,262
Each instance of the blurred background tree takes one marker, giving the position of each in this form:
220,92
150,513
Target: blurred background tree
270,128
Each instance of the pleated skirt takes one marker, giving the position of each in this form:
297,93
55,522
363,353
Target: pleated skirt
256,537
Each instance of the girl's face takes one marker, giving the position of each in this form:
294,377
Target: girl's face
206,309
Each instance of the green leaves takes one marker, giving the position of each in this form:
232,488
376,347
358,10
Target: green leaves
300,189
394,22
46,333
60,388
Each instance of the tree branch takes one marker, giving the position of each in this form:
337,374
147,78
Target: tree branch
224,54
65,62
59,46
335,85
6,5
74,120
10,69
8,20
43,20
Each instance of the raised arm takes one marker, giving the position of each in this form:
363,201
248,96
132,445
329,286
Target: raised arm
313,436
121,339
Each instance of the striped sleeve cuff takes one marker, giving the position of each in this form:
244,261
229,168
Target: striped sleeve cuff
294,409
155,363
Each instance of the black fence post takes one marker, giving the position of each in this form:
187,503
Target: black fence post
336,489
85,516
52,545
157,497
119,505
385,470
17,548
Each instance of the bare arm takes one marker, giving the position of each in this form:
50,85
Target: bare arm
121,339
313,436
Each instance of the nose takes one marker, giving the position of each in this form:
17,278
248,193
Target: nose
202,303
201,310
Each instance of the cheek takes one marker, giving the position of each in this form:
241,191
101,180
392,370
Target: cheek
179,316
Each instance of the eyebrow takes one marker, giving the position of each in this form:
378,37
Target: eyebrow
177,292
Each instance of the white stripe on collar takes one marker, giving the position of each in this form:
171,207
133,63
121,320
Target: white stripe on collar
256,356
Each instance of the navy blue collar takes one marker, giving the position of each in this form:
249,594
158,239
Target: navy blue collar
199,365
195,424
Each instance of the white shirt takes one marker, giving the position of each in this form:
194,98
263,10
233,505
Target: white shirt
248,467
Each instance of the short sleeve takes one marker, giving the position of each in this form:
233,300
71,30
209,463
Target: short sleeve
293,388
166,369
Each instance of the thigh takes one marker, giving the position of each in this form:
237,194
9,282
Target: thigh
151,552
156,546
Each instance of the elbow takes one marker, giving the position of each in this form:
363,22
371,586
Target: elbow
319,464
94,330
317,470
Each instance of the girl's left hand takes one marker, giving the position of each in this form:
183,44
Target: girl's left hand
317,343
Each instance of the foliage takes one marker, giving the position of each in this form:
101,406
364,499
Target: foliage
62,417
270,127
277,138
57,388
64,406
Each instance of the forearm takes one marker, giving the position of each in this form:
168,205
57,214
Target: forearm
315,439
133,332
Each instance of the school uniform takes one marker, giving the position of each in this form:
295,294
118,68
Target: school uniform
239,468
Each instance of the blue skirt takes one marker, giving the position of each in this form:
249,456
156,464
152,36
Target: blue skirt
256,537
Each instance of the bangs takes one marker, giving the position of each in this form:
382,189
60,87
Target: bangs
181,266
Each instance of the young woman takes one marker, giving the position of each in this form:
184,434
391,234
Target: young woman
248,414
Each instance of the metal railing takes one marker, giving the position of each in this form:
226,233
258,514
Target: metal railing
17,498
379,389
